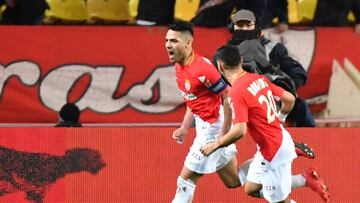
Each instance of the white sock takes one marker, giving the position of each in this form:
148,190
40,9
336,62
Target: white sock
292,201
297,181
185,191
243,170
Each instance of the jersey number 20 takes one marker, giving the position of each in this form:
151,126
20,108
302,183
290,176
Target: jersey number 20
270,105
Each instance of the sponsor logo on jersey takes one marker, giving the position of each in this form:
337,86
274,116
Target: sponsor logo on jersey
188,96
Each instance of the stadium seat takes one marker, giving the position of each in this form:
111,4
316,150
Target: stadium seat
2,8
66,11
186,9
108,11
293,12
133,6
307,9
351,17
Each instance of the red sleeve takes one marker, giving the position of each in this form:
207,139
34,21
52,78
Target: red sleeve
239,107
212,78
276,90
211,73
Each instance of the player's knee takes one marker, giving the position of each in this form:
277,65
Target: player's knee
232,184
250,191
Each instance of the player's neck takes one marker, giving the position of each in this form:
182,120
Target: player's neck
234,75
188,58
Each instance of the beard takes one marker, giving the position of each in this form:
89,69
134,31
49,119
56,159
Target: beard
241,35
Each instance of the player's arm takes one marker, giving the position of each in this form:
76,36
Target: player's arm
218,85
227,113
180,132
235,133
287,101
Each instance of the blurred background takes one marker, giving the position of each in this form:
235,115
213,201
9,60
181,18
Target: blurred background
107,57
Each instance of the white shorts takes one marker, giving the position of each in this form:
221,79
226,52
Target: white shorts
276,182
205,133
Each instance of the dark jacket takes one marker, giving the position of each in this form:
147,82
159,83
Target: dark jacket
25,12
279,56
159,11
214,16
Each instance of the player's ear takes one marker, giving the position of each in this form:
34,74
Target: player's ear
189,42
220,66
241,61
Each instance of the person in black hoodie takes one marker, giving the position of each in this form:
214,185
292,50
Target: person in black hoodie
246,27
215,13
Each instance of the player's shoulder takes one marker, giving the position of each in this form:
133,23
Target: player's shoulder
204,66
257,76
203,60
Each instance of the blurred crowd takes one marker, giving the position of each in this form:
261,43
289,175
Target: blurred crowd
208,13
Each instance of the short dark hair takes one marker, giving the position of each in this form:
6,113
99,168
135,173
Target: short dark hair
229,55
182,26
69,112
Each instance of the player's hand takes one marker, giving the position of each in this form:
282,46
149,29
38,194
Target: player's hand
209,148
179,135
282,117
282,27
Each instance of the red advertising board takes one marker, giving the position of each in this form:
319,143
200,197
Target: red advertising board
142,165
121,74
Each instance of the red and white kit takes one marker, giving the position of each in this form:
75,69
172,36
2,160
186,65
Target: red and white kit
201,86
255,105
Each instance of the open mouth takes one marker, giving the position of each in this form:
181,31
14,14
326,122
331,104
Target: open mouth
171,55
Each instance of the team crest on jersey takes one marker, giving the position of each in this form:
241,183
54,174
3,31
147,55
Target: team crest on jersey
187,85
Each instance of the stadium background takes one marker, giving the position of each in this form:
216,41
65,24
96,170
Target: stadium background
143,162
121,74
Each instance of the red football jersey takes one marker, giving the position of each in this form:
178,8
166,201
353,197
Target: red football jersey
252,100
201,86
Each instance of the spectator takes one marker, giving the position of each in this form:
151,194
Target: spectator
246,28
69,116
211,12
267,10
23,12
155,12
335,12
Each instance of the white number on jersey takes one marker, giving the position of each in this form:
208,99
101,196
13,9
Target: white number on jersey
270,106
